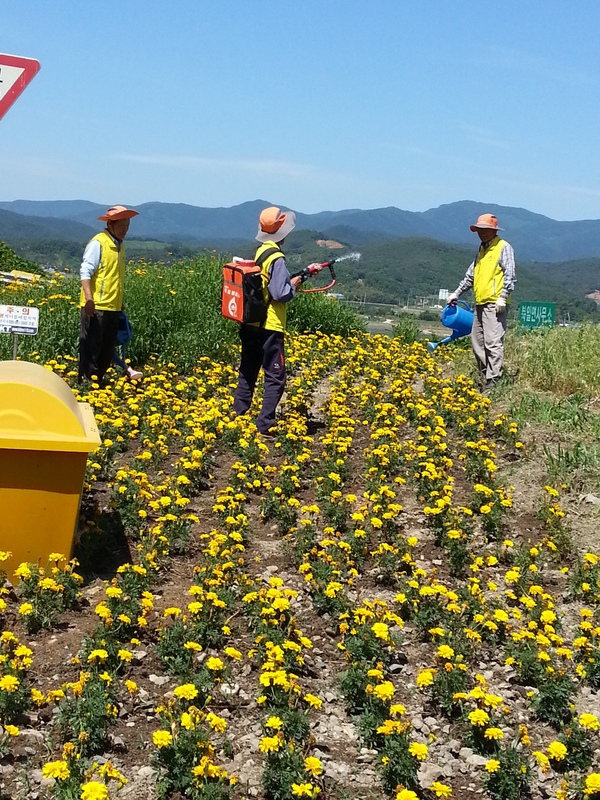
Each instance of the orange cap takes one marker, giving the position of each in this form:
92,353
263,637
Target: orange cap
271,219
274,225
118,212
486,221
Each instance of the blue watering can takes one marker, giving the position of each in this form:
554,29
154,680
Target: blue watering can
459,318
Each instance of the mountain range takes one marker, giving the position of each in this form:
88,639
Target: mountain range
535,237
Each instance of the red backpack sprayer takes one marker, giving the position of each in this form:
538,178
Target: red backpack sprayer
242,298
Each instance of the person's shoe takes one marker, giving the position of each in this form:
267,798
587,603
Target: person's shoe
134,374
271,433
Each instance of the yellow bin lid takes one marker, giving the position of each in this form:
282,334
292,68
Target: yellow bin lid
38,411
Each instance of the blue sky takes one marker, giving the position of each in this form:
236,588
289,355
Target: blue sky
314,104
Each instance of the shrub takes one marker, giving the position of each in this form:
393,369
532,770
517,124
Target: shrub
407,329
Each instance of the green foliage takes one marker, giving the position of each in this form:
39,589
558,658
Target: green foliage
10,261
315,312
398,767
510,780
47,592
407,329
553,701
85,715
282,769
580,747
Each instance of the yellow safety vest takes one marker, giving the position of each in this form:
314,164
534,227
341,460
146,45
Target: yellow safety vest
276,311
488,276
108,281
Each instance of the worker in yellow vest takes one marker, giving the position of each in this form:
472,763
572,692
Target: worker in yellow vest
263,343
101,300
492,277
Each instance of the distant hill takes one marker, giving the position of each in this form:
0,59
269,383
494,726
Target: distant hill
534,236
17,227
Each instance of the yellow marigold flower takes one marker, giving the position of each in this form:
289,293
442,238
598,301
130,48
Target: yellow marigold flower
425,678
313,765
557,751
214,664
216,723
162,738
9,683
274,722
405,794
23,571
592,784
479,717
418,750
542,760
25,609
589,721
187,691
440,789
384,691
125,655
313,701
381,630
56,769
99,655
269,744
493,733
12,730
94,791
492,765
305,790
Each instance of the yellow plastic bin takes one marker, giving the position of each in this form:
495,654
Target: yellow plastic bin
45,438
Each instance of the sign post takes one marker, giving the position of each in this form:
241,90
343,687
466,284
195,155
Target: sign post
536,315
17,321
15,73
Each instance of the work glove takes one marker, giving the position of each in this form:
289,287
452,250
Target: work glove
452,298
500,305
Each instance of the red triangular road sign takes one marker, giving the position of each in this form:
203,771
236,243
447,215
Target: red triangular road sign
15,74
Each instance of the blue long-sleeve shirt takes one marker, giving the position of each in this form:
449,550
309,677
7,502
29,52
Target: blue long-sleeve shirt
280,287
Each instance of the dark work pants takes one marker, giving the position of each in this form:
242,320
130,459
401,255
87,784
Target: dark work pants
260,348
97,341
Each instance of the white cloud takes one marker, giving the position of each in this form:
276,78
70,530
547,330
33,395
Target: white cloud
264,167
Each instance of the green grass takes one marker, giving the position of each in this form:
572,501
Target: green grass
578,466
563,361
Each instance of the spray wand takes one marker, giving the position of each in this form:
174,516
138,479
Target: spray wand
314,269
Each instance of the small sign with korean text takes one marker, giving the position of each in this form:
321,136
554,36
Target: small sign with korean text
19,320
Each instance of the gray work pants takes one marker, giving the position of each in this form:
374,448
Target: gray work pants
487,340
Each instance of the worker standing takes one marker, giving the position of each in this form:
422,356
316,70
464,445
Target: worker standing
263,343
101,301
492,277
